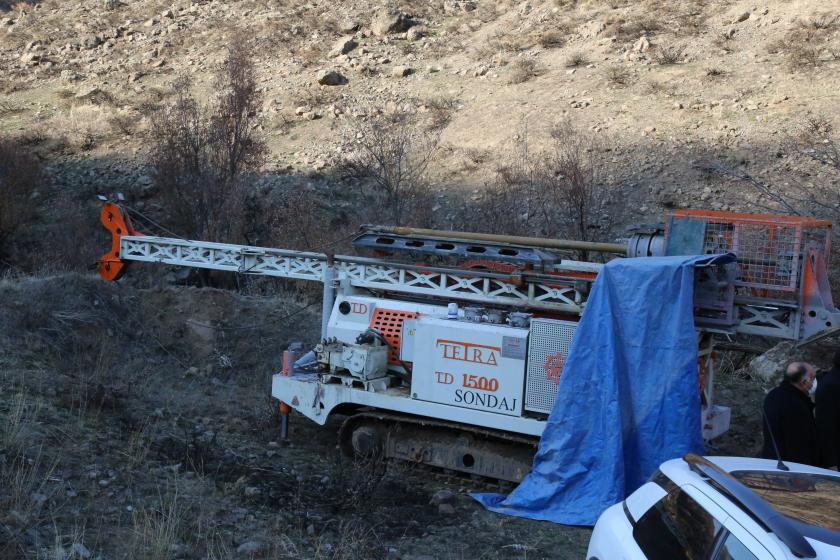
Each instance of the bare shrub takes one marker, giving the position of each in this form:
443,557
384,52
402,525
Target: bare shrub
353,485
441,109
626,31
576,59
656,87
314,96
552,39
502,43
391,154
524,69
124,121
20,176
817,141
71,236
202,156
302,218
356,540
618,76
714,72
725,41
669,54
802,46
823,22
803,56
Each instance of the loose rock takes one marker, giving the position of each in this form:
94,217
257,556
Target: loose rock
446,509
390,21
400,71
330,78
770,366
642,45
343,46
444,496
249,548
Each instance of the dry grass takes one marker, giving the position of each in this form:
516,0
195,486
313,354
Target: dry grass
156,530
85,125
137,449
503,43
21,415
9,108
314,97
803,46
125,121
24,500
657,87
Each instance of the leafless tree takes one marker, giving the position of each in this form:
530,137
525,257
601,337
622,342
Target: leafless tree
392,154
556,192
816,140
576,194
201,156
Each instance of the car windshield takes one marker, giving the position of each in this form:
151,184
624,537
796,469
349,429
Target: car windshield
813,499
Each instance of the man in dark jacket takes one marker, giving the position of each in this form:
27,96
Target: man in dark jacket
827,412
789,415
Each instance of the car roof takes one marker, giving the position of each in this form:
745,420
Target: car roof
679,471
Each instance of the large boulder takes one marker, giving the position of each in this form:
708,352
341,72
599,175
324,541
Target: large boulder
770,366
389,20
328,77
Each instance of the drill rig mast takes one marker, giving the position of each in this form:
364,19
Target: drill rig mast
457,366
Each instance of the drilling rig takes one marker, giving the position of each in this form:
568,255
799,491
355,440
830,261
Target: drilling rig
455,361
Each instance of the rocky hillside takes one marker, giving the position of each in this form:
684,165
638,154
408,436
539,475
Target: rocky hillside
660,83
135,420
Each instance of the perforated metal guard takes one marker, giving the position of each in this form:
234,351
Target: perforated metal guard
389,322
767,247
548,346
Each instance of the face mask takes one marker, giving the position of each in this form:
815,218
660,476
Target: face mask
813,390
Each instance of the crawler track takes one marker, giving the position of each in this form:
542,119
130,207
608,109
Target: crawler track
447,446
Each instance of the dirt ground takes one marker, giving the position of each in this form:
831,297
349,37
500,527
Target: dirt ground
137,423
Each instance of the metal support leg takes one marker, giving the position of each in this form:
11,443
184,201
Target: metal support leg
329,295
285,409
284,423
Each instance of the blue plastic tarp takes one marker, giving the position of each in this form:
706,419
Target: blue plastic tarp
628,398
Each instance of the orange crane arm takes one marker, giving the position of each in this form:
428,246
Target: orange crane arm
111,266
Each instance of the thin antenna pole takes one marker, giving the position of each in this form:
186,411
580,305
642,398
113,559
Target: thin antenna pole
780,465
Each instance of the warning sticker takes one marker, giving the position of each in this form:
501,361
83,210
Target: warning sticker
513,348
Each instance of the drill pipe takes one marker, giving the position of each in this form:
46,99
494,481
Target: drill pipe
506,239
